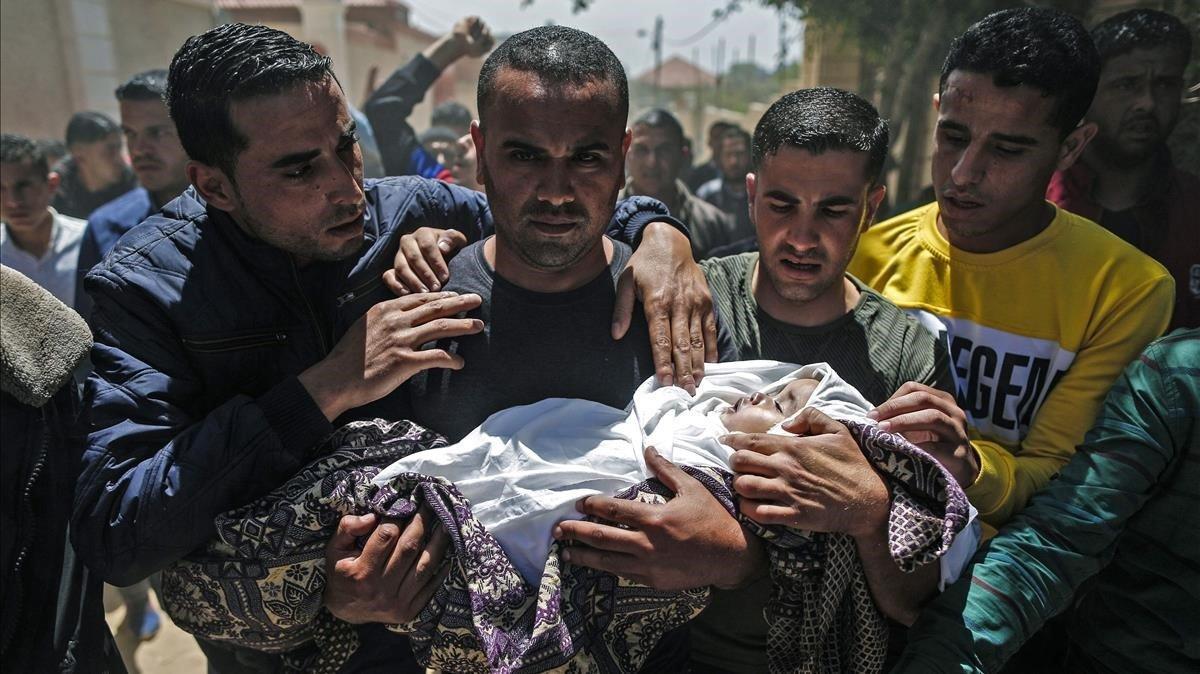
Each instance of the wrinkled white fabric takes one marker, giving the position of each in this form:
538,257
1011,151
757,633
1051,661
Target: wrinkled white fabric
525,467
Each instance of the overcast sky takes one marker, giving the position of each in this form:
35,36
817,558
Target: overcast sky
618,21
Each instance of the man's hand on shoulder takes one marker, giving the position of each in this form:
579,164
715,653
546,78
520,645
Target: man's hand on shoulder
420,265
932,420
382,349
395,573
678,305
818,480
691,541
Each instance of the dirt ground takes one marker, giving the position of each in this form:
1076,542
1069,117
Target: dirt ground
171,651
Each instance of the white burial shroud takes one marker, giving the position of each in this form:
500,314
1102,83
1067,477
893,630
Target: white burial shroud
525,467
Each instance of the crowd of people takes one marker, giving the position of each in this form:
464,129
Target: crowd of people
209,301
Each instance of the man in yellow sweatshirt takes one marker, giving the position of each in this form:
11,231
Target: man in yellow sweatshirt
1041,309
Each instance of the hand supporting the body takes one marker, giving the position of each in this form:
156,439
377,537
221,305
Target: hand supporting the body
395,573
821,481
932,420
661,272
677,302
383,349
690,541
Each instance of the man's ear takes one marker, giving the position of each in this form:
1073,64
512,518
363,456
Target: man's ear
1073,145
477,139
751,188
874,199
212,184
625,143
53,180
937,102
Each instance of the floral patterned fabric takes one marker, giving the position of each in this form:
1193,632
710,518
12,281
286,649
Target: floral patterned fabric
259,584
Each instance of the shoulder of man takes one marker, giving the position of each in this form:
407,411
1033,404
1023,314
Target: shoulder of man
408,202
879,246
1092,254
160,244
726,278
709,189
122,213
905,349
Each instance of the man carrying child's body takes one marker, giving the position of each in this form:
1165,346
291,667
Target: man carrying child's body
513,599
817,158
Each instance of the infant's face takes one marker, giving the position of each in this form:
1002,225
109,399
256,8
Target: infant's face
758,412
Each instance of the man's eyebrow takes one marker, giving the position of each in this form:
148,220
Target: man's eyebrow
1015,140
953,126
1002,137
780,195
295,158
598,146
837,200
513,144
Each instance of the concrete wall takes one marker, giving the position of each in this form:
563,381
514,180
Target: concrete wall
34,96
61,56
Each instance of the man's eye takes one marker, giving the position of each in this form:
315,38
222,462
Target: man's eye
1006,151
835,212
299,172
587,158
955,139
779,207
522,155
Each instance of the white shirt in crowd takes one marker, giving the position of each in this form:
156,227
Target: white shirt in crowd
56,270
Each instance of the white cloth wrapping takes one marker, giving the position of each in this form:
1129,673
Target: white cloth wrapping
525,467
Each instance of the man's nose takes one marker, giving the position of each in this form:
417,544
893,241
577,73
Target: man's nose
346,188
802,232
555,186
969,169
1144,97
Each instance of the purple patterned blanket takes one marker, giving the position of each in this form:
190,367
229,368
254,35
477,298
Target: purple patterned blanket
259,584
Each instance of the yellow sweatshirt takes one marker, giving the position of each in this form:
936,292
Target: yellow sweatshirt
1037,334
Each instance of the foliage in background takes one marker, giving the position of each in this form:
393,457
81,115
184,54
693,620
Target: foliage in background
902,44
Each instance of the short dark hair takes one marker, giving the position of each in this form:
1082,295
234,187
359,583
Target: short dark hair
820,120
558,55
720,126
451,114
658,118
1039,47
149,85
738,133
437,133
18,149
1121,33
90,126
229,63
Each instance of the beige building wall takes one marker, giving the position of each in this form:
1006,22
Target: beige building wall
33,73
61,56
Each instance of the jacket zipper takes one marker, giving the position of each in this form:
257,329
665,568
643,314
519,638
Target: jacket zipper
27,513
235,343
308,307
355,292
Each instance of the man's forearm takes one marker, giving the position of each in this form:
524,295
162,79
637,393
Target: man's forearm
898,595
148,497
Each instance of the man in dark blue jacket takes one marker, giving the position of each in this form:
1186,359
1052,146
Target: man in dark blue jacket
158,161
226,324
